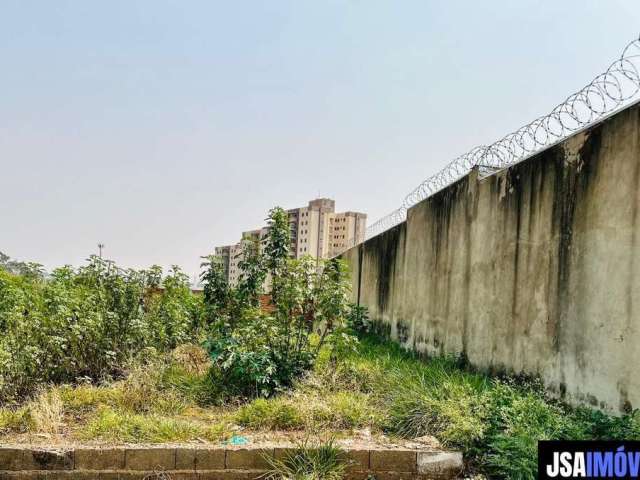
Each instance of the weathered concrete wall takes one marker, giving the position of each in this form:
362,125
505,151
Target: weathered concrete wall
533,270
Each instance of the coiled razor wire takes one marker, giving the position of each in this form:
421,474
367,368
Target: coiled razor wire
609,91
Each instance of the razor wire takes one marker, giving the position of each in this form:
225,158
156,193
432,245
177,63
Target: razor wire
608,92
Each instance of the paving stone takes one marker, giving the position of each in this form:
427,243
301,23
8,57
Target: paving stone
282,453
23,475
193,463
109,475
11,458
210,459
99,458
150,459
393,460
358,476
38,459
252,459
132,475
186,458
230,475
394,475
72,475
357,460
440,465
184,475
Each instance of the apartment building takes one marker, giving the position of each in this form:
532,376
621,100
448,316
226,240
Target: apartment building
317,230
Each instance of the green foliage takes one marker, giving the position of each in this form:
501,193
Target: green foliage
249,360
17,420
276,250
252,276
270,414
496,423
30,270
358,319
310,461
435,403
122,426
350,410
88,323
216,289
258,353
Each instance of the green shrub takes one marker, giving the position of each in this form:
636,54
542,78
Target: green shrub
431,401
310,461
85,397
259,353
358,319
88,323
116,426
350,410
204,389
141,392
273,414
17,420
351,373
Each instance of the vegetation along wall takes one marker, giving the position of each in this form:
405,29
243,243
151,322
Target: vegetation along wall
534,270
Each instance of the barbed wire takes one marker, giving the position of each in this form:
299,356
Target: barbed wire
608,92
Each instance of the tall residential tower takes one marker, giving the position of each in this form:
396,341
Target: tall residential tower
316,230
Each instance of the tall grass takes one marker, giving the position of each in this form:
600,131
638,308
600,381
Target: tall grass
495,422
309,461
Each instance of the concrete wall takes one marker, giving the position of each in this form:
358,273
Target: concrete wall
533,270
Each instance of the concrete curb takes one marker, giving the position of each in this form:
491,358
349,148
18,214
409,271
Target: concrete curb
209,463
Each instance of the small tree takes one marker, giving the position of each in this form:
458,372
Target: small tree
253,274
216,290
278,242
263,352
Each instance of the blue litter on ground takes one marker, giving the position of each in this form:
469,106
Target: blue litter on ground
237,440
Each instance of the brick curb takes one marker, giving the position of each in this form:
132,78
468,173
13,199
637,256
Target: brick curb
202,463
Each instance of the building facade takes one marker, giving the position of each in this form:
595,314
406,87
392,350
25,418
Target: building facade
317,230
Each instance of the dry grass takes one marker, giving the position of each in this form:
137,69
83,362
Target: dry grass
47,411
192,358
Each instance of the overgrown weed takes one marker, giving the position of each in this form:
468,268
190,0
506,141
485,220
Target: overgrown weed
310,461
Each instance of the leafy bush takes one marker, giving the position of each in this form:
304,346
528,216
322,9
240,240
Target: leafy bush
270,414
88,323
358,319
310,461
258,353
16,420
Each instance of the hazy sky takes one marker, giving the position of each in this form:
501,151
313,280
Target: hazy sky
164,128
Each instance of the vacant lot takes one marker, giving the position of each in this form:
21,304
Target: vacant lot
101,354
376,393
